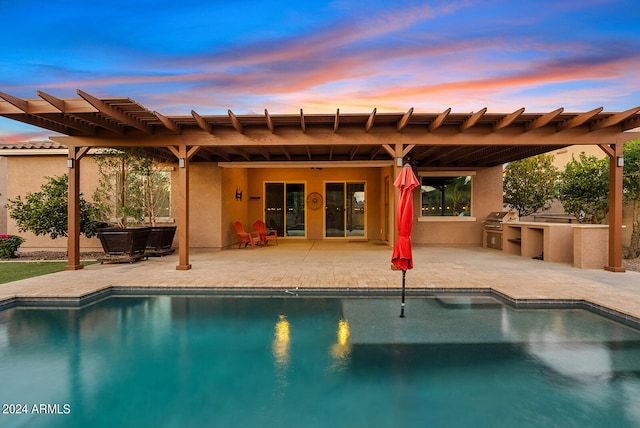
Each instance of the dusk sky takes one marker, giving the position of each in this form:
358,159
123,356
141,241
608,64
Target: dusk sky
210,56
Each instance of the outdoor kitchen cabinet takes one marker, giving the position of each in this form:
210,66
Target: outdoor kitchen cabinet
552,241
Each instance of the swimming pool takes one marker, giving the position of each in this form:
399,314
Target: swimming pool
183,361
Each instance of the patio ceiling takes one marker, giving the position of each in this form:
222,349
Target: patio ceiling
441,139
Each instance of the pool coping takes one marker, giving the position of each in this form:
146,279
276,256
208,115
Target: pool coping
120,291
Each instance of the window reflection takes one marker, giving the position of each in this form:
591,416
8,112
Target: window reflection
341,350
446,196
281,340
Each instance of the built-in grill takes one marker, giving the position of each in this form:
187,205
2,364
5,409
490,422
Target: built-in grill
493,227
495,220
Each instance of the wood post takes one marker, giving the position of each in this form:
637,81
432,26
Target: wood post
183,153
73,208
615,207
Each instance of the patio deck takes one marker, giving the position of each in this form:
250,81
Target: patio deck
324,266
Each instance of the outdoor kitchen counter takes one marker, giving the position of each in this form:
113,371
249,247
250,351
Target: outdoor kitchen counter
549,241
585,246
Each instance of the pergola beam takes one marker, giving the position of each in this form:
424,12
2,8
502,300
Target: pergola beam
107,110
405,119
269,121
472,120
370,121
54,101
19,103
578,120
508,119
437,122
202,123
354,150
167,123
543,120
614,119
235,122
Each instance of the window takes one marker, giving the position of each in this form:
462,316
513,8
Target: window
446,196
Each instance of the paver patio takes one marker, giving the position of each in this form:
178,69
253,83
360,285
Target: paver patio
349,266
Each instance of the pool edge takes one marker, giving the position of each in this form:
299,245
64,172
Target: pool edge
87,299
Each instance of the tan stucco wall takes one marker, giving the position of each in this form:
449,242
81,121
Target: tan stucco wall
234,209
213,205
204,210
314,180
486,197
27,174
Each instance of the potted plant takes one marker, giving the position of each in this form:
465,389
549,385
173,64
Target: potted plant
132,193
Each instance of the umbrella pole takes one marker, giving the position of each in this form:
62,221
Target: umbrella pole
404,272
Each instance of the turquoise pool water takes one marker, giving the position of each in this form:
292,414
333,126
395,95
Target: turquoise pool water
315,362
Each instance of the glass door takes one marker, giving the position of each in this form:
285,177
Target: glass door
334,210
284,208
355,209
294,222
274,206
344,210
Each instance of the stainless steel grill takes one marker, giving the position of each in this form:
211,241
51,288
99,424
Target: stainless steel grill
495,220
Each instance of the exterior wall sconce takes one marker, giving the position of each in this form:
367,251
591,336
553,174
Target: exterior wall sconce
399,162
620,160
238,194
70,162
181,162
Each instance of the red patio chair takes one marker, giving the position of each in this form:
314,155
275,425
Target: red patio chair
246,238
264,233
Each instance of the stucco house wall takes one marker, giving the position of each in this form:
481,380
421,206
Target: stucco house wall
28,173
214,207
486,197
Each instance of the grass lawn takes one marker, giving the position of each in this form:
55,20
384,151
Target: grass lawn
13,271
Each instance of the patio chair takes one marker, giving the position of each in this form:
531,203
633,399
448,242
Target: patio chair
246,238
264,233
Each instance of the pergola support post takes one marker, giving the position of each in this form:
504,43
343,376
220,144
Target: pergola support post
616,162
73,208
399,152
183,153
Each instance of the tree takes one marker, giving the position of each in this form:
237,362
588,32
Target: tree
131,187
584,188
45,212
631,181
530,184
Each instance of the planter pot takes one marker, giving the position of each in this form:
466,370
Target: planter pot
126,245
160,240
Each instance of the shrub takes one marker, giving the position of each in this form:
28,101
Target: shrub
45,212
530,184
584,188
9,244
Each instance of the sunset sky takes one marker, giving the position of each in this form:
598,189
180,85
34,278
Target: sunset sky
210,56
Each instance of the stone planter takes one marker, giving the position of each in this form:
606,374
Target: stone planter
123,245
160,240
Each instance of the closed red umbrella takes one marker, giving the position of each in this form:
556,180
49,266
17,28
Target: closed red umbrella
401,257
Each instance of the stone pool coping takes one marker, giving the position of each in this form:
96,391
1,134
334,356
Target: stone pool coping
344,268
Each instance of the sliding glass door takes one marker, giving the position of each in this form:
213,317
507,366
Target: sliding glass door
284,208
345,209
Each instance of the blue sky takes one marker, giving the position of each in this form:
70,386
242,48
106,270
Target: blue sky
210,56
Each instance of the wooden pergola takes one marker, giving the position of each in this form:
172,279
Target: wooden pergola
443,139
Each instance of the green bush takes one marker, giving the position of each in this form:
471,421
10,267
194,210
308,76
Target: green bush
45,212
9,244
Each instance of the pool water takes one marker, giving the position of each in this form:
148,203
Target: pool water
167,361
